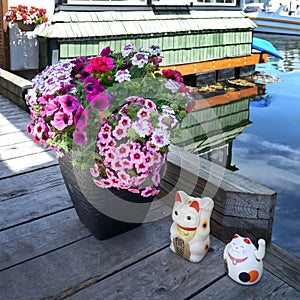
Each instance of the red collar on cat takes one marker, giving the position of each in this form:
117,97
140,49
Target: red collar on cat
187,228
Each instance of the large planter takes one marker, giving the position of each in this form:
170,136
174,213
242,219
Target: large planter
105,212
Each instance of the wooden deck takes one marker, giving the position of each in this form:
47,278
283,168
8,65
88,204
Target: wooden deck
46,252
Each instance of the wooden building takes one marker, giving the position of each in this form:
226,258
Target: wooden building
190,32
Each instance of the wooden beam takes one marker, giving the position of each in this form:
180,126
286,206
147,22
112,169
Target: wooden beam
226,98
219,64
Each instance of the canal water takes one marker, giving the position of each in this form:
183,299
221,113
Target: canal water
268,151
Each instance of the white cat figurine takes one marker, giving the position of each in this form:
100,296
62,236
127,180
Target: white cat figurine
243,261
191,226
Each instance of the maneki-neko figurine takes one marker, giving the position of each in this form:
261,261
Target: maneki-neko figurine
191,226
243,261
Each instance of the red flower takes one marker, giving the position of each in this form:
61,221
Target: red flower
100,64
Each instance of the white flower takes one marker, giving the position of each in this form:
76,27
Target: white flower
122,75
154,49
160,138
140,59
127,50
142,127
172,85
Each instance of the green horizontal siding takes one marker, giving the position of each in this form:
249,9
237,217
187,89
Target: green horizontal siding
198,36
176,48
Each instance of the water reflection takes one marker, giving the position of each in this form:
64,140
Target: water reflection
288,47
268,152
217,121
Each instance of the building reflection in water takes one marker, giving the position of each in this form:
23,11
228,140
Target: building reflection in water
217,120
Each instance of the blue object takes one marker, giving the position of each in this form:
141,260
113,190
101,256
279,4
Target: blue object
265,46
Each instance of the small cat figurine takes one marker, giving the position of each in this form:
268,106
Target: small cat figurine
243,261
191,226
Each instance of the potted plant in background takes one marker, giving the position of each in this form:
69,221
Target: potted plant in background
26,17
110,119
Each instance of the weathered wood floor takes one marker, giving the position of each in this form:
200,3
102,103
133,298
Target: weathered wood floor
47,253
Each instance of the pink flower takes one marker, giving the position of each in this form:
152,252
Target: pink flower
100,102
148,160
149,191
141,167
119,132
124,177
150,104
125,122
68,103
103,183
52,107
157,158
94,171
135,191
123,150
81,117
137,156
127,164
29,129
190,107
110,155
80,137
116,164
62,120
156,178
143,114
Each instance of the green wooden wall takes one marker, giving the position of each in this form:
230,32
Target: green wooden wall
187,38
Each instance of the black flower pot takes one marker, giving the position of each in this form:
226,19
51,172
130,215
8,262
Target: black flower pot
105,212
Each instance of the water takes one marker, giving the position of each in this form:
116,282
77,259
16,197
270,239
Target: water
268,151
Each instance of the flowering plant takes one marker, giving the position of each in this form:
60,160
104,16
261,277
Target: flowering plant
25,14
115,110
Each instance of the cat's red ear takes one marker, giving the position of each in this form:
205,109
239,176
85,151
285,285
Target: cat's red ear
247,241
195,205
235,236
177,197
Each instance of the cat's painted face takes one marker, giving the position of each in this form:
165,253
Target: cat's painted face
186,214
240,247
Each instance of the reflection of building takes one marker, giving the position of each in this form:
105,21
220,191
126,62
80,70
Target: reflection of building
217,121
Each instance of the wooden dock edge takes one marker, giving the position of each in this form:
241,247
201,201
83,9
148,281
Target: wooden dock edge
14,88
283,265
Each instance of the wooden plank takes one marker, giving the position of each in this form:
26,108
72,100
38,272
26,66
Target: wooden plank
26,184
284,265
32,162
8,115
269,287
219,64
19,125
163,275
20,150
71,268
29,207
36,238
13,138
